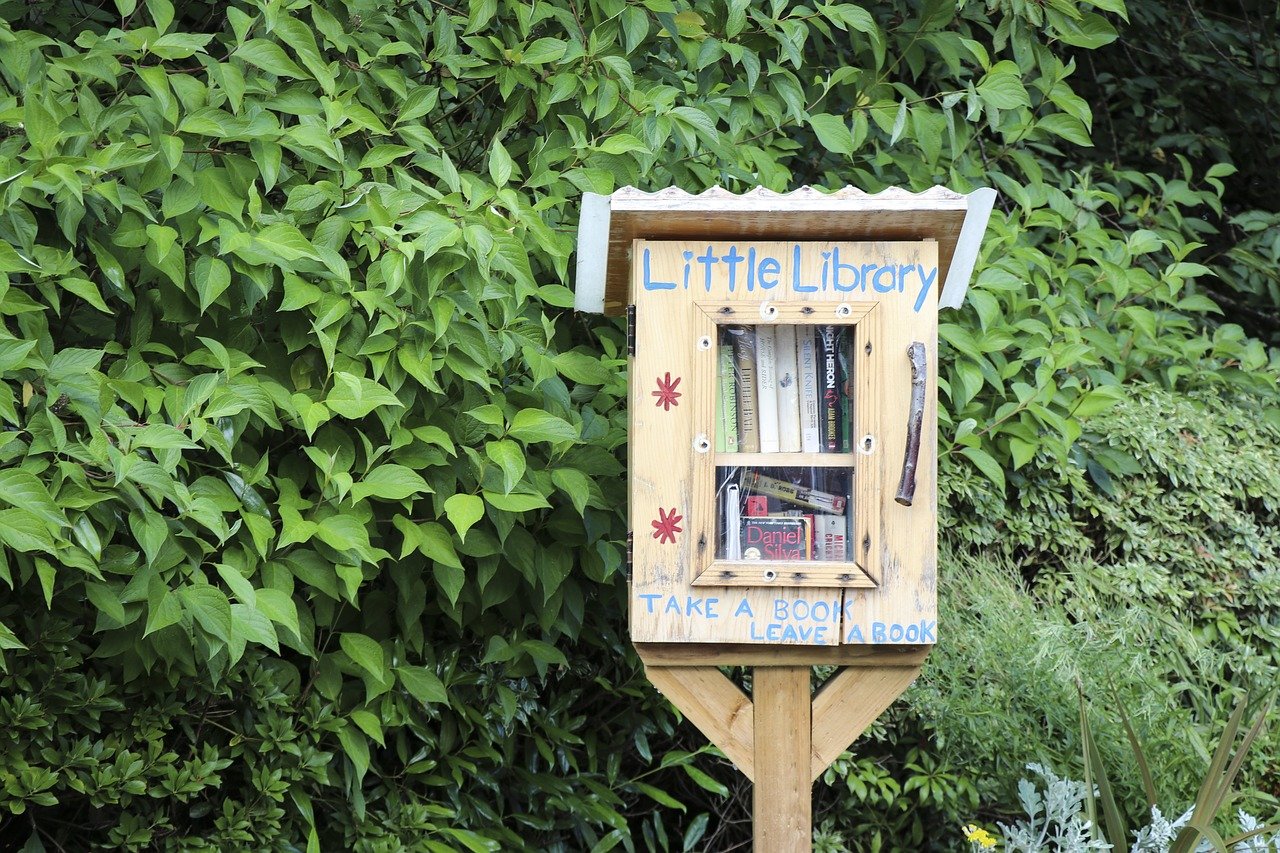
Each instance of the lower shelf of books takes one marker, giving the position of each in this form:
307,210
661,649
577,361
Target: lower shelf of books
784,514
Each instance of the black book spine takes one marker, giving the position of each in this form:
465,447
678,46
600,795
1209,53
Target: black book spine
829,380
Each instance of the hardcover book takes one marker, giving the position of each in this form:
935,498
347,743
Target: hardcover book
807,369
744,364
767,388
727,405
829,375
791,493
788,391
773,538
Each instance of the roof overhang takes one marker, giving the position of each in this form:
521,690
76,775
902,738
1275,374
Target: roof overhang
609,224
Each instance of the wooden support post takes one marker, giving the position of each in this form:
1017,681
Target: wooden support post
782,801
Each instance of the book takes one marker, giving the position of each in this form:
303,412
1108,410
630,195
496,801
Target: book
757,505
727,400
829,409
767,388
788,391
732,523
844,380
807,369
774,538
744,366
791,493
831,538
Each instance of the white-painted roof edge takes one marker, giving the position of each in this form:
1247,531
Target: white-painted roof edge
593,254
968,245
593,250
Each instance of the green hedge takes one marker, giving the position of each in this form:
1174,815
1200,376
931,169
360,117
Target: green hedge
312,486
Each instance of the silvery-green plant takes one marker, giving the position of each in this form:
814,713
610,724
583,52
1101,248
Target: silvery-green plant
1055,817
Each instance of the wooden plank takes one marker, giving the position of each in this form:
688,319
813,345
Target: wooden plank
806,214
807,573
747,654
903,557
782,799
848,703
713,703
799,460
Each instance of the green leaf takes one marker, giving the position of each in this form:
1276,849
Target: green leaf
354,396
356,749
575,484
368,724
508,456
211,277
365,653
390,482
1002,88
86,290
986,464
20,488
107,601
166,611
833,132
209,608
24,531
253,627
532,425
423,684
278,606
515,503
270,57
40,125
500,165
436,544
450,580
463,511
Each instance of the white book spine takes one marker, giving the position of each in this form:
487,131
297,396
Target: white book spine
732,522
807,368
788,391
832,542
767,387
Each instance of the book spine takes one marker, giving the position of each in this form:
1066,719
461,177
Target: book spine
788,391
767,388
830,376
793,494
727,437
844,380
744,365
807,367
833,541
732,522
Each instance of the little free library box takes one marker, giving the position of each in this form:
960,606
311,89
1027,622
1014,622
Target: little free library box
783,456
783,407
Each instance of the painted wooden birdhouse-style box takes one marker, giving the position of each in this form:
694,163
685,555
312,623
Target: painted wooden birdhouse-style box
783,404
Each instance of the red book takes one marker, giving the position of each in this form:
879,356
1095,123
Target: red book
774,538
757,506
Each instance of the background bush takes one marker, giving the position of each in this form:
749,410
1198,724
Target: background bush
312,500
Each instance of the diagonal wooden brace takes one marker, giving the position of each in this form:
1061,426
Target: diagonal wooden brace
783,737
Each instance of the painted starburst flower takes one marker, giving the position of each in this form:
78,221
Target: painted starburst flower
667,394
667,525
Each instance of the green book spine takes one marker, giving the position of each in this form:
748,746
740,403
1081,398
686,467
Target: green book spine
727,435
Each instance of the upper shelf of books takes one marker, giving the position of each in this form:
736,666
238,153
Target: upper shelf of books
784,396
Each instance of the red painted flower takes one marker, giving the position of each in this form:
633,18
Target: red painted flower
667,526
667,394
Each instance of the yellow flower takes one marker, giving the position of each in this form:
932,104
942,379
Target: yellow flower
979,836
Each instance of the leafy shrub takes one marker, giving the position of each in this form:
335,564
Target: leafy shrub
312,488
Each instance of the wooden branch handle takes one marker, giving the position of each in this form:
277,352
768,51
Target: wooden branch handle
915,425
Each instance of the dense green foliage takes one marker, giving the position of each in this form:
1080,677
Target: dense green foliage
312,511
